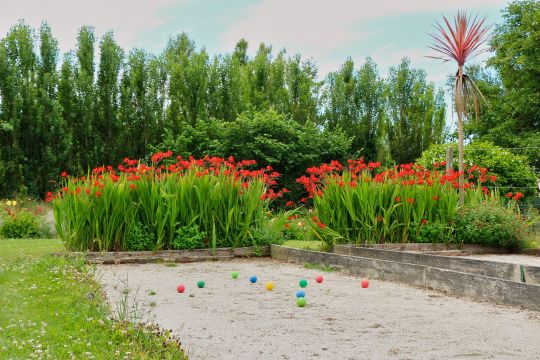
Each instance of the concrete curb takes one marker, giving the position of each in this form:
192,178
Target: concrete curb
480,267
460,284
174,256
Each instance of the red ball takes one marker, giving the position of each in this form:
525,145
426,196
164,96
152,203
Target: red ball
180,288
319,279
365,283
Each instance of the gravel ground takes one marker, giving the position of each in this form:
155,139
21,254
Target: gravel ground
234,319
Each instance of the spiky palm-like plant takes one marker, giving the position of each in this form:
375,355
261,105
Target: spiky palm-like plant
459,42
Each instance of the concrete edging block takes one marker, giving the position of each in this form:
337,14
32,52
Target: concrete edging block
455,283
176,256
506,271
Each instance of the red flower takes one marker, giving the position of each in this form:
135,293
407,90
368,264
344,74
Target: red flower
132,186
98,194
424,221
64,174
321,225
289,203
518,196
435,197
352,184
410,200
88,191
509,195
398,199
49,197
65,189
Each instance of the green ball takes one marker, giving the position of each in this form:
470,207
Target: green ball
303,283
234,275
200,284
301,302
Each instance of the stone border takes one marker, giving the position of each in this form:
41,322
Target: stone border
173,256
481,267
467,249
452,282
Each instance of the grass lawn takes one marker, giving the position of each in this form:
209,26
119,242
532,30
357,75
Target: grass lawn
53,309
305,245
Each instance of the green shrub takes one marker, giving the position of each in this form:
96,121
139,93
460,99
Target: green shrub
20,224
268,137
189,237
139,238
436,232
510,169
491,223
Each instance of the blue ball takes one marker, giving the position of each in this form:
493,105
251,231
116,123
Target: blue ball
300,294
253,279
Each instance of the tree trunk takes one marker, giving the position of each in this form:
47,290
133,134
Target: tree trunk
460,109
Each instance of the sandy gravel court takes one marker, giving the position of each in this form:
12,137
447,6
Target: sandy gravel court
234,319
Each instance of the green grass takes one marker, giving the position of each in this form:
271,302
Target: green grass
52,308
15,249
306,245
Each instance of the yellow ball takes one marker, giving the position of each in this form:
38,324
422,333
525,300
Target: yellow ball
269,286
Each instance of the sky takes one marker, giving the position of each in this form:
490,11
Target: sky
325,31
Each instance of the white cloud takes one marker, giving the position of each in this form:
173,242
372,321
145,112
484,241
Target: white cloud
318,28
129,19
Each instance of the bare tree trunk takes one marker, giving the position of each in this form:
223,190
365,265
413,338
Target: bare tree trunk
460,109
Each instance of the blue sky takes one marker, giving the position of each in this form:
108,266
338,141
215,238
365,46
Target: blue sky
325,31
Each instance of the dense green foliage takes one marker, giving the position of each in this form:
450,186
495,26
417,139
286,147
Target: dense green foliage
512,170
19,222
103,103
269,138
490,223
46,300
511,84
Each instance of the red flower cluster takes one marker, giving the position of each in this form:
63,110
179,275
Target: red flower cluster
134,171
405,174
517,196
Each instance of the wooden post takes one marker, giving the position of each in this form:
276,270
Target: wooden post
449,158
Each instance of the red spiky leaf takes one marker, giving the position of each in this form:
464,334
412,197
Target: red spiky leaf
462,40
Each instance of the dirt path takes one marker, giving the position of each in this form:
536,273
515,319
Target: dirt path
234,319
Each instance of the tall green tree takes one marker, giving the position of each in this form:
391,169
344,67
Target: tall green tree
19,93
49,152
511,84
86,138
416,113
107,98
354,100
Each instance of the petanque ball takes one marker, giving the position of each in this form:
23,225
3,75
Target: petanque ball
234,275
180,288
303,283
319,279
269,286
300,294
253,279
301,302
365,283
200,284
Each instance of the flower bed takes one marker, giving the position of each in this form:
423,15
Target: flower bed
361,203
173,203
